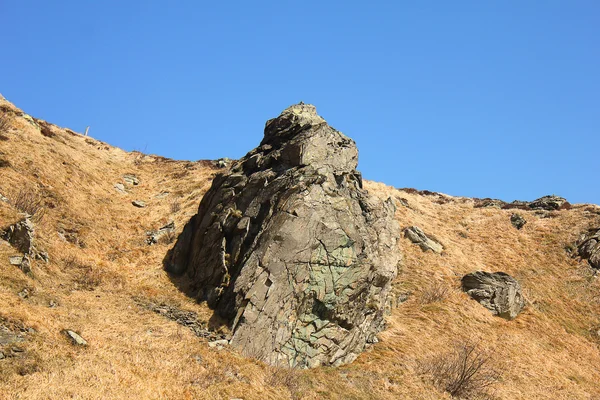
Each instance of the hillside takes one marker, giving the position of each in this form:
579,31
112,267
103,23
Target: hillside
147,339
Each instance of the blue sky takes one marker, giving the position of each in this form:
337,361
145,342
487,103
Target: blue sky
472,98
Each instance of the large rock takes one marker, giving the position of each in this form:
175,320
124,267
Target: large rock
588,247
498,292
550,203
291,250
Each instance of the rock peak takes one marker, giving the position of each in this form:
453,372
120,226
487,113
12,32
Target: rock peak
290,249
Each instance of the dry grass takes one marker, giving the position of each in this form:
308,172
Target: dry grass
5,126
30,202
550,349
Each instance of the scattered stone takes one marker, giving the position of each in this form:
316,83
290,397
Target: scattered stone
219,344
189,319
52,304
23,293
4,199
498,292
7,337
550,203
43,256
154,236
517,221
417,236
15,260
2,356
25,265
403,202
131,179
120,188
290,249
588,247
75,338
138,203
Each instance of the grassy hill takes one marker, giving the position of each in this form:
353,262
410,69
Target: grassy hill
147,339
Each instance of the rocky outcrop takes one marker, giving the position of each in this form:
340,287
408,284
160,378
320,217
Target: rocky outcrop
20,236
588,247
291,250
417,236
549,203
498,292
517,221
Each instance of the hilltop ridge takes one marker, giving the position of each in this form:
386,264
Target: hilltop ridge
97,271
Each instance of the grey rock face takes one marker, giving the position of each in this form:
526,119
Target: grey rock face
417,236
291,250
588,247
120,188
498,292
517,221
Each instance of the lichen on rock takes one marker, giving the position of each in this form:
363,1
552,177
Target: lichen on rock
291,250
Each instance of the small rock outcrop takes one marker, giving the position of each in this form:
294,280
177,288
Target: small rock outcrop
20,236
498,292
517,221
550,203
417,236
152,237
588,247
290,249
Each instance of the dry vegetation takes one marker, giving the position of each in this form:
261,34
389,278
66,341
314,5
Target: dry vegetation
101,266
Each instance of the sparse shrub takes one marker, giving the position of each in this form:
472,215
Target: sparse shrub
285,377
175,207
4,163
465,372
438,291
86,277
29,201
167,237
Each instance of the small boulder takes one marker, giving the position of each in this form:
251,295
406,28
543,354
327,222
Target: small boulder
417,236
550,203
498,292
138,203
489,203
120,188
15,260
588,247
131,179
517,221
76,339
20,236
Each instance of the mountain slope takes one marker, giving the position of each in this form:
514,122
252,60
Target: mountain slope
105,282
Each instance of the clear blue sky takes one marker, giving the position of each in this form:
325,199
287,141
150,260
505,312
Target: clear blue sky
473,98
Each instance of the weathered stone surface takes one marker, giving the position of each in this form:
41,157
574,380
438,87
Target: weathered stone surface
139,203
15,260
588,247
291,250
498,292
517,221
489,203
417,236
550,203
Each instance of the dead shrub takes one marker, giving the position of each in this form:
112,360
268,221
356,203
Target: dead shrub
29,201
5,126
87,277
4,163
167,237
437,292
175,207
465,372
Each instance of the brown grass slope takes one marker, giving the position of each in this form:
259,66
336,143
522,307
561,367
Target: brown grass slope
101,269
